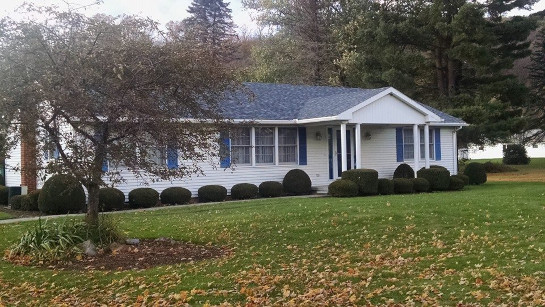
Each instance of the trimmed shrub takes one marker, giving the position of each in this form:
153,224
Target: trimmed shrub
404,170
464,178
270,189
421,185
4,193
244,191
385,186
403,185
491,167
366,179
16,201
342,188
476,173
61,194
175,196
297,182
31,202
456,184
209,193
515,154
438,177
110,199
143,198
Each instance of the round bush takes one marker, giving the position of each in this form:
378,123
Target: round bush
143,198
515,154
464,178
421,185
456,184
16,201
110,199
438,177
366,179
476,173
244,191
175,196
4,193
61,194
30,203
270,189
209,193
297,182
404,170
403,185
342,188
385,186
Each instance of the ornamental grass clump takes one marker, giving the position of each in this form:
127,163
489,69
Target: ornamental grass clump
50,242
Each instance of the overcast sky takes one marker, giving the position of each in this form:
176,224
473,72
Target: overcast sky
162,11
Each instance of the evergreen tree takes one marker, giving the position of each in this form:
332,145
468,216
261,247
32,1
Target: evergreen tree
211,26
536,110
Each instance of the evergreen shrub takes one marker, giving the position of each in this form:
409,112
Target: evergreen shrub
244,191
342,188
175,196
143,198
212,193
271,189
366,179
61,194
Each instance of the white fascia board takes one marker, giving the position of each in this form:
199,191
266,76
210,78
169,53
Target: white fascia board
430,116
316,120
267,121
449,125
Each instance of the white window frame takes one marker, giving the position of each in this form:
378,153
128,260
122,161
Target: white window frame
241,146
294,145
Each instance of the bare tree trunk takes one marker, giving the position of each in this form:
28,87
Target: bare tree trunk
440,71
93,203
452,77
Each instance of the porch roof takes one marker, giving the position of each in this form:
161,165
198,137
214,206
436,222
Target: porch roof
281,102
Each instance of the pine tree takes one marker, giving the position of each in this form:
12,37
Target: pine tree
211,26
536,111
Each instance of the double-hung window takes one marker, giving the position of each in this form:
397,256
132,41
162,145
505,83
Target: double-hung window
431,145
241,146
157,155
287,145
264,145
408,144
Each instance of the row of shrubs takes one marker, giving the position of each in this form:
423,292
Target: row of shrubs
62,194
364,182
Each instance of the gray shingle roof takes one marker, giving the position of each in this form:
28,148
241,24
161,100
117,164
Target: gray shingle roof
287,102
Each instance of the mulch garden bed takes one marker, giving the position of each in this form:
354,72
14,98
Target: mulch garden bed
148,253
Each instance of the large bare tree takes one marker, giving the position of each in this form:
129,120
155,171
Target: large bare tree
100,89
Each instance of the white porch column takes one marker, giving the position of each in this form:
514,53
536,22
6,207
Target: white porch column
455,151
416,138
276,158
343,147
427,145
252,142
358,145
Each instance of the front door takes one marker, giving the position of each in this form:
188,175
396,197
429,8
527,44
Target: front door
339,152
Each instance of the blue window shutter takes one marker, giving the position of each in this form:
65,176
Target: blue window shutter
437,144
302,145
105,165
399,144
172,158
225,150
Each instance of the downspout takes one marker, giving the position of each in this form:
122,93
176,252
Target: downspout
455,148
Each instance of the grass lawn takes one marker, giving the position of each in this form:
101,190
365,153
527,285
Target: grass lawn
4,215
482,246
534,172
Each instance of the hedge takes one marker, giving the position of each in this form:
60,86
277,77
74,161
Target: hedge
366,179
244,191
421,185
385,186
270,189
143,198
404,170
212,193
403,185
297,182
175,196
438,177
342,188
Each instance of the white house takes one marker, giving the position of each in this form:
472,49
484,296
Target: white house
321,130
